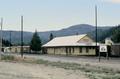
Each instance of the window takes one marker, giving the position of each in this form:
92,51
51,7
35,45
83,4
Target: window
87,49
69,50
80,50
16,50
66,50
90,47
73,49
54,50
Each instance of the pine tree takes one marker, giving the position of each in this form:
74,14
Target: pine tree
6,42
35,44
116,35
51,36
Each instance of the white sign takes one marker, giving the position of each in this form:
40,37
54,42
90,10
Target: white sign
103,48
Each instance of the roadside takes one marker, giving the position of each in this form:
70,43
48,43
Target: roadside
113,63
10,70
83,70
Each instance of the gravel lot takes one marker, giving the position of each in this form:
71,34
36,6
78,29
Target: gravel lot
113,63
9,70
21,70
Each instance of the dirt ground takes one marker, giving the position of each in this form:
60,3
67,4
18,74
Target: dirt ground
113,63
9,70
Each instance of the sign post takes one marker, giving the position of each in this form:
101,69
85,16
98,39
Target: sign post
103,49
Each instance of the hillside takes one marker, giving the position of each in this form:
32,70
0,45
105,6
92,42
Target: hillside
72,30
113,33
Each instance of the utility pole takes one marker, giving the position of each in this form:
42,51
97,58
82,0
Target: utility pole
10,41
96,24
21,36
1,36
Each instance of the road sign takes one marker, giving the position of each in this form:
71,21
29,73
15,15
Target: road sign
103,48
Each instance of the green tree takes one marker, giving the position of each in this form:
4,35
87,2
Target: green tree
51,36
35,44
116,35
6,42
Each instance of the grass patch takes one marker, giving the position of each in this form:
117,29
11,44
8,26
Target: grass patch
93,72
7,57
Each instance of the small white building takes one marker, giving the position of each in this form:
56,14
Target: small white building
71,45
17,49
108,41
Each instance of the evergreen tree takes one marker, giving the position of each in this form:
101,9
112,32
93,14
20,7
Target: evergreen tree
6,43
35,44
116,35
51,36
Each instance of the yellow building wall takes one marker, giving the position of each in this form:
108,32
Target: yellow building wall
57,51
90,51
16,49
62,51
75,51
50,50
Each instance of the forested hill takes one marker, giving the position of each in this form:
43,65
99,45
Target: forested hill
113,33
72,30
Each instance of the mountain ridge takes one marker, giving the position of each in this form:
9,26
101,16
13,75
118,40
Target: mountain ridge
72,30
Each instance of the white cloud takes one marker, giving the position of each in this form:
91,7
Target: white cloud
113,1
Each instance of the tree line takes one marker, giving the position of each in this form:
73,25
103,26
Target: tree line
36,43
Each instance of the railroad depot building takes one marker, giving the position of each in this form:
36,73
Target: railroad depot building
71,45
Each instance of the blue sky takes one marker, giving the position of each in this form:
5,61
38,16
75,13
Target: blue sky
46,15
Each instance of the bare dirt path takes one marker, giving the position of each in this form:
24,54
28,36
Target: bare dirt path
9,70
